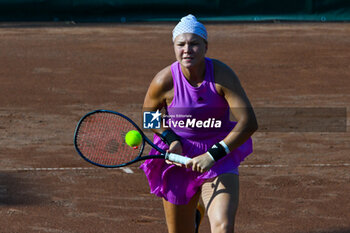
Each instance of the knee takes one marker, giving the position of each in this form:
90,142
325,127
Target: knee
222,226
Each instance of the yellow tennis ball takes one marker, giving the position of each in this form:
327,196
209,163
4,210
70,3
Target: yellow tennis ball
133,138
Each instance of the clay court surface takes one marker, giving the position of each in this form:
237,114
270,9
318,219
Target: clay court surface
51,75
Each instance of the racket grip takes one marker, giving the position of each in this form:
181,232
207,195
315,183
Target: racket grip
177,158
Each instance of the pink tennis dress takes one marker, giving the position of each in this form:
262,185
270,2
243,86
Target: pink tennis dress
201,117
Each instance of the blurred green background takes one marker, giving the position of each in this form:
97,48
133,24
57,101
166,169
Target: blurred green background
170,10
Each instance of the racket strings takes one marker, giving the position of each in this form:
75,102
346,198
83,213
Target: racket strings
101,139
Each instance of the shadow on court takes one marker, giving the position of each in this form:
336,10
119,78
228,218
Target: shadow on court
16,189
345,230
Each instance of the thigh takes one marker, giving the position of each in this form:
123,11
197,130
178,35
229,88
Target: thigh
181,218
220,197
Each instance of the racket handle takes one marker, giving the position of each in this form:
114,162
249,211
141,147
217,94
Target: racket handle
177,158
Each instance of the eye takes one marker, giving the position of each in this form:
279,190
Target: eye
194,43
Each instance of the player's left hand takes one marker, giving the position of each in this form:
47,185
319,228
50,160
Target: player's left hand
201,163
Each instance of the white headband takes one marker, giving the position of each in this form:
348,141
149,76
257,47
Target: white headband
189,24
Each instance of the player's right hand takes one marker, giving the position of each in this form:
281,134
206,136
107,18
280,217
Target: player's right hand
175,147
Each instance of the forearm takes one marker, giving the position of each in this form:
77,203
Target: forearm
240,133
157,107
160,130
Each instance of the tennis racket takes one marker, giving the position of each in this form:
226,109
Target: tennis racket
99,138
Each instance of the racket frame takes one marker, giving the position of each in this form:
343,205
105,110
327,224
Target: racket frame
163,155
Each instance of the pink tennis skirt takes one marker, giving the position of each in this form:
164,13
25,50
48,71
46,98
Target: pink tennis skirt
177,184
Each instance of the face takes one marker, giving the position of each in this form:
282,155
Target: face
190,49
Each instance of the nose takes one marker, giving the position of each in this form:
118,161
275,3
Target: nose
187,48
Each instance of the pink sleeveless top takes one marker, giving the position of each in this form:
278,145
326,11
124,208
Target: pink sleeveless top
204,112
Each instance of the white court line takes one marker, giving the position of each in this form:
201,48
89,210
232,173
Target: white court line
295,165
26,169
127,170
130,171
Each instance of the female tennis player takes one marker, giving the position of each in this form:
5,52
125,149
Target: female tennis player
197,95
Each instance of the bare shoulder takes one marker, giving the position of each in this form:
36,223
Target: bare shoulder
225,77
163,81
223,71
158,92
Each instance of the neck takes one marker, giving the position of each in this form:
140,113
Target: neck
195,75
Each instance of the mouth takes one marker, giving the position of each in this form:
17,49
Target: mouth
188,58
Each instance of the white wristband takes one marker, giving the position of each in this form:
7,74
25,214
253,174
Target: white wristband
227,150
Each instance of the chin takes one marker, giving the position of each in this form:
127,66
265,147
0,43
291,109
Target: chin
188,64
